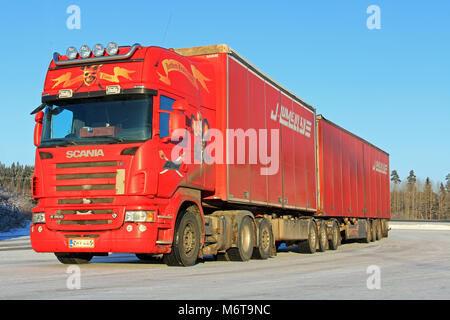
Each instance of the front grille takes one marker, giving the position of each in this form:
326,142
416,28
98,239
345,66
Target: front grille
86,201
83,222
86,164
86,187
85,192
84,211
86,176
99,176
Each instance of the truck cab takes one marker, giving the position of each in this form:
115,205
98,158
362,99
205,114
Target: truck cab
105,178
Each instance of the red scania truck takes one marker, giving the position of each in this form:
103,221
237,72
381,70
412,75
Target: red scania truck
192,152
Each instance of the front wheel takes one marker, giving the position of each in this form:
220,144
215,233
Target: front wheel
186,243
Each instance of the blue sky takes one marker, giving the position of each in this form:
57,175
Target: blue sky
390,86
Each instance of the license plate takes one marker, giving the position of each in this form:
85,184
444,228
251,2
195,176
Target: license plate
81,243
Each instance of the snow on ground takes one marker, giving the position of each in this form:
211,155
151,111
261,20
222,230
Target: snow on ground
16,232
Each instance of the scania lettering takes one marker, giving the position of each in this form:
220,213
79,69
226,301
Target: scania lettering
84,153
191,152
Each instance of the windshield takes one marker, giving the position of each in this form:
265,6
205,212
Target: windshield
88,121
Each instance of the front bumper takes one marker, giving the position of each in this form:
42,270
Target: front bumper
131,237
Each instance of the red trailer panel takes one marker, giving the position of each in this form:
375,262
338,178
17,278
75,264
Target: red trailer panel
353,174
255,107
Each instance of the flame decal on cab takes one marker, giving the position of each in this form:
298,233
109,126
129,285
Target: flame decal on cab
90,76
196,77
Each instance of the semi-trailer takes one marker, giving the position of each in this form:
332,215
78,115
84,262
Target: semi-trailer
191,152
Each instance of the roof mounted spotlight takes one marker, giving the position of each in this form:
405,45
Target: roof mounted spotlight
98,50
85,52
71,53
112,48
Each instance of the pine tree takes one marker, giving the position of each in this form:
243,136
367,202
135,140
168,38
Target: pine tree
411,191
428,199
395,205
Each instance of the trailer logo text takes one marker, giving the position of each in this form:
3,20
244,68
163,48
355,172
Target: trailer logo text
85,153
380,167
292,120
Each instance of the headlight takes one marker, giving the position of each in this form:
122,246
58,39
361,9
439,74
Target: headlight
112,48
98,50
139,216
71,53
85,52
38,217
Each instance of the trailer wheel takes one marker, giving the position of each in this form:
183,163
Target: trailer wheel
265,240
333,243
379,232
74,258
368,237
245,241
186,242
373,228
323,236
386,228
309,245
383,227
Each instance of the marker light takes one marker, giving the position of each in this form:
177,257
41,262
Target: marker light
112,48
85,52
98,50
71,53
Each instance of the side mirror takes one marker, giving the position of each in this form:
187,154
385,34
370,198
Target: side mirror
38,128
177,118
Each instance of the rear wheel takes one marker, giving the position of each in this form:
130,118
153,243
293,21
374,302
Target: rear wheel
186,243
309,245
334,241
265,240
385,228
373,229
245,241
74,258
379,231
323,236
368,237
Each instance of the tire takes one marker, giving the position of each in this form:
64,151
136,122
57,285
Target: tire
74,258
379,231
368,237
186,242
245,241
309,245
386,228
323,236
373,228
265,240
333,242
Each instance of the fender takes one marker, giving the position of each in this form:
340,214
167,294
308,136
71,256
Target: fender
183,198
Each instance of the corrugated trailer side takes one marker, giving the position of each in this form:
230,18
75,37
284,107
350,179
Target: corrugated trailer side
256,103
353,174
250,101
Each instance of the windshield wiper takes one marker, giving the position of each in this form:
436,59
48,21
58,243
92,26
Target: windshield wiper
108,137
67,141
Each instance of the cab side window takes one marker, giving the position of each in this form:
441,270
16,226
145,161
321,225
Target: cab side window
165,104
